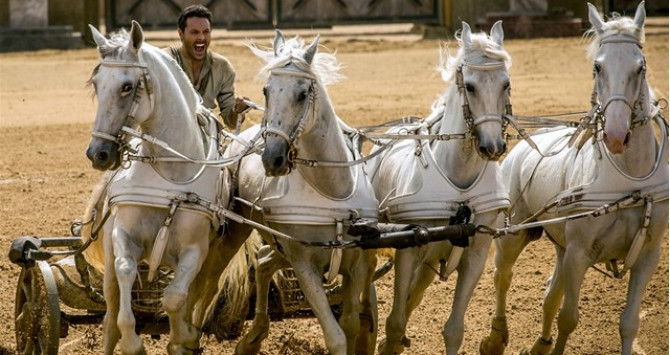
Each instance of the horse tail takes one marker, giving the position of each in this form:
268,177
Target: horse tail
93,215
386,253
232,304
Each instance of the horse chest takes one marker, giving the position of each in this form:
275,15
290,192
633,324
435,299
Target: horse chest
422,191
291,199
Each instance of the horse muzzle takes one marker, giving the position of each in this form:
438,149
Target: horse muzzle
491,149
617,129
275,157
103,155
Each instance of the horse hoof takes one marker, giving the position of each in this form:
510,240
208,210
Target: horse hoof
244,347
385,349
182,350
134,347
541,347
491,346
498,338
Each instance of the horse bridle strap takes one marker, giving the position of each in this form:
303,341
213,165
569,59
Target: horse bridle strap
636,112
484,66
143,84
292,139
467,113
621,39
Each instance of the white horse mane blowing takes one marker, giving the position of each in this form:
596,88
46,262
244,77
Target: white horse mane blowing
617,26
482,47
324,66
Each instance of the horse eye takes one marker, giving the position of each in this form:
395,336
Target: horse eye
506,85
126,89
597,68
470,88
265,91
302,96
640,69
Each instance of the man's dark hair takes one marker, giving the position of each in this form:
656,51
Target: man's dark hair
193,11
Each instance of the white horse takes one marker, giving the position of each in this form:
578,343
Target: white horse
161,210
310,204
617,160
426,181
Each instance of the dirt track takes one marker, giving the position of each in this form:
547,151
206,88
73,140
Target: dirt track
46,112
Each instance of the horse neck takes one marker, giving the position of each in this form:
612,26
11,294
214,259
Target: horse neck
639,157
325,142
457,158
173,121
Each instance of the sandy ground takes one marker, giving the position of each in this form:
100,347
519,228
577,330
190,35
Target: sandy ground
46,112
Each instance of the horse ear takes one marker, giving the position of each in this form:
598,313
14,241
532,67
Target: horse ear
311,51
497,34
136,36
640,15
465,35
595,19
99,39
279,41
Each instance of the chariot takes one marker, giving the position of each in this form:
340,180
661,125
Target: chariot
58,289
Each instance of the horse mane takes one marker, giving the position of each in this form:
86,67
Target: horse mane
482,47
325,67
617,25
153,56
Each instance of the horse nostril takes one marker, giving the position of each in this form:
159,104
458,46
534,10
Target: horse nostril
626,139
278,162
102,156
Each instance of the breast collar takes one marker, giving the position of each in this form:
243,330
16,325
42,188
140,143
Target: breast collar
609,183
425,192
292,199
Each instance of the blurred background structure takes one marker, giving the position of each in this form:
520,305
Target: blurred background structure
61,24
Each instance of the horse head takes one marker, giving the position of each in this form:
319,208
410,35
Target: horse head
484,84
619,70
289,93
123,90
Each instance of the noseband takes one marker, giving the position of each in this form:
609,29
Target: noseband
470,120
143,84
292,139
637,115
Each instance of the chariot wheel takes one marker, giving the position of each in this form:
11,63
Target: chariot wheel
37,311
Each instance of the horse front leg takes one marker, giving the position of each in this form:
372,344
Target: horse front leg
125,267
110,331
355,276
575,263
369,318
550,305
396,323
184,336
640,275
469,271
507,251
311,284
206,283
269,261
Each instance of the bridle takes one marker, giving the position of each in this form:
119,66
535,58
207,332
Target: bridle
470,120
143,84
638,118
292,138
